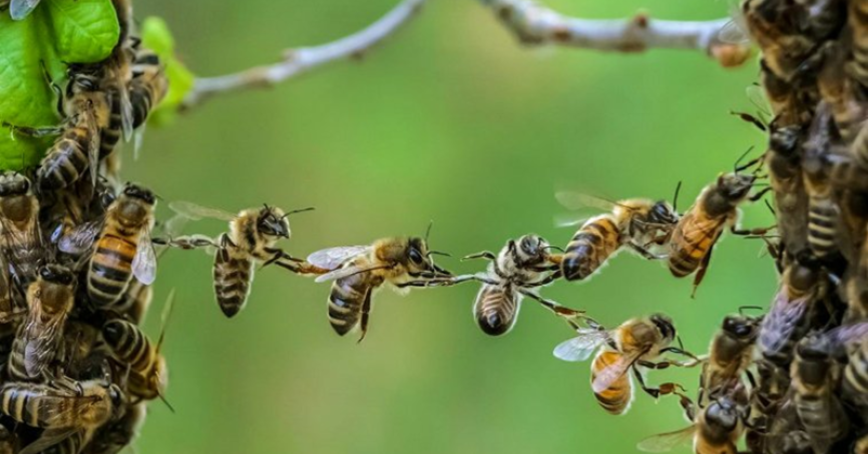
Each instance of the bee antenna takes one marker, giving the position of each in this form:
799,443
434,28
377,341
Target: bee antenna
444,254
298,211
736,168
742,309
675,198
557,248
428,230
163,398
770,207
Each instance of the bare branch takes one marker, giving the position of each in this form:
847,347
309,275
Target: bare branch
534,24
304,59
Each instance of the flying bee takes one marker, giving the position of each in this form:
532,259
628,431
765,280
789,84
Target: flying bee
634,223
520,268
697,232
116,435
815,376
50,299
360,270
21,237
635,344
786,321
730,354
716,429
251,239
61,408
823,211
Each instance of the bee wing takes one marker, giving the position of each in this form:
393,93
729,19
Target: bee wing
126,107
333,258
570,220
81,238
756,95
48,438
665,442
782,319
145,261
93,150
19,9
614,371
196,212
346,271
847,334
138,139
581,348
41,339
577,200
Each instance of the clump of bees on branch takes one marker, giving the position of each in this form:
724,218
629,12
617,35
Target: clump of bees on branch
79,259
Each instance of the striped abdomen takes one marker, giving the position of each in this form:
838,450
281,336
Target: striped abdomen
822,416
135,301
66,161
130,345
856,374
496,309
822,222
348,300
233,274
617,397
145,94
111,134
34,406
110,269
590,247
858,66
691,241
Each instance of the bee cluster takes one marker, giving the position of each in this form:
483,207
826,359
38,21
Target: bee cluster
77,371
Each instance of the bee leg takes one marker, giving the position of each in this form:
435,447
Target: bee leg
700,272
34,132
366,309
645,252
570,315
548,280
486,255
663,389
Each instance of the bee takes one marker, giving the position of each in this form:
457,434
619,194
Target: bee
716,429
360,270
823,211
148,87
251,239
635,344
783,162
697,232
786,321
21,238
61,409
858,19
815,376
122,248
634,223
50,299
148,376
116,435
730,354
837,90
522,266
774,27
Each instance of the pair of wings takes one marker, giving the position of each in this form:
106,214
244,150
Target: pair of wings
665,442
333,259
81,239
580,201
588,341
41,339
779,324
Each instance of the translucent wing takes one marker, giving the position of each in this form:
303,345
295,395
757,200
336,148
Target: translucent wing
138,139
145,261
757,96
93,149
80,238
126,107
333,258
581,348
733,32
19,9
577,200
614,371
665,442
570,220
779,324
196,212
41,338
848,334
346,272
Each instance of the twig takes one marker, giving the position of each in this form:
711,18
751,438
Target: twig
534,24
301,60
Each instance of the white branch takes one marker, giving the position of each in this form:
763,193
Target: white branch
301,60
534,24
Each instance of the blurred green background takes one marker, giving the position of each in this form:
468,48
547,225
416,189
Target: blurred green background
450,120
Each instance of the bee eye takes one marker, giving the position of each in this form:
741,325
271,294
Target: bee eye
415,256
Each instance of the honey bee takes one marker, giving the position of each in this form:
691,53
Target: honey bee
635,344
786,321
50,298
716,430
360,270
634,223
730,354
251,239
837,90
62,409
116,435
522,266
148,87
21,238
823,211
771,416
697,232
858,19
783,162
122,249
148,375
774,27
815,376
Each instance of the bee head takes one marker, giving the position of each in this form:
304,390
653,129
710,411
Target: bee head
419,261
13,183
57,274
272,222
83,78
664,324
740,327
734,186
663,213
784,140
814,353
801,277
722,413
531,249
140,193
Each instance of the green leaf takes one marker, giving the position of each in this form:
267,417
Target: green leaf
157,37
57,32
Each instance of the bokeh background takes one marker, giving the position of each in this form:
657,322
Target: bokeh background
450,120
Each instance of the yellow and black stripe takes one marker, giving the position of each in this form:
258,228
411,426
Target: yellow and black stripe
66,161
822,226
348,298
232,277
617,397
691,242
590,247
858,17
496,309
110,269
